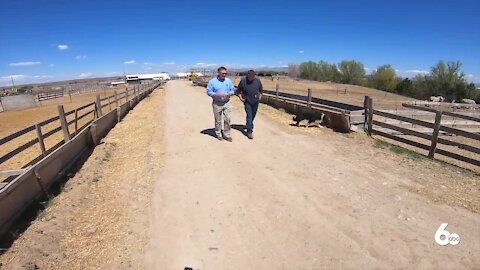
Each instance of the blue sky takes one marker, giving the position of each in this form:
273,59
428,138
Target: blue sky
56,40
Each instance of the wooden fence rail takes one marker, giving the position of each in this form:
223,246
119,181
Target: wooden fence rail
26,185
77,114
436,127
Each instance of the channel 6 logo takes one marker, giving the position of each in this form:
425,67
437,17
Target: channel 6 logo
449,238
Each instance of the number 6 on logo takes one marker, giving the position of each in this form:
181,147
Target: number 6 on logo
452,239
441,231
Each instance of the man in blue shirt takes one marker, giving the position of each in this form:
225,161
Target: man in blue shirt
221,89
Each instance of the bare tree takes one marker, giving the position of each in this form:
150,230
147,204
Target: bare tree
294,70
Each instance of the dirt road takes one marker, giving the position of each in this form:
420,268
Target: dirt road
289,201
164,194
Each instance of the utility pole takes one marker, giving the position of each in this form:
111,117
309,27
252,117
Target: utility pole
13,85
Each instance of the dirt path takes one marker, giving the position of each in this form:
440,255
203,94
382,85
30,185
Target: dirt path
289,200
161,193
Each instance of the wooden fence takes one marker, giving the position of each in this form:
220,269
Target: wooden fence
69,128
42,96
33,181
436,127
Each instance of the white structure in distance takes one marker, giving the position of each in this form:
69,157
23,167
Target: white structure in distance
150,76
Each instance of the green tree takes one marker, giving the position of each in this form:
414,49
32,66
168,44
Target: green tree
405,87
351,72
449,80
385,78
328,72
25,89
309,70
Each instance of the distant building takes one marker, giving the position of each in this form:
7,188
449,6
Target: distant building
138,78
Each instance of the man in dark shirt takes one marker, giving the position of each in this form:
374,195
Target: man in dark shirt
250,91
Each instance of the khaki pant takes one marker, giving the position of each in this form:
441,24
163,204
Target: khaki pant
219,111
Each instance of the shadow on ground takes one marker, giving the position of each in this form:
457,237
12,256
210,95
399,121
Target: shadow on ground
211,131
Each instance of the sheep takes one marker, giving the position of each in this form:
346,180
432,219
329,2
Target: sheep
437,99
468,101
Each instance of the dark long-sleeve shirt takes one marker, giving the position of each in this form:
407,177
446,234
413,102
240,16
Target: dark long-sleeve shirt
250,90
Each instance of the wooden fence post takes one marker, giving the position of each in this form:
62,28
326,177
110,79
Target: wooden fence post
276,90
116,98
63,122
40,140
93,133
70,96
365,107
370,116
98,106
309,99
76,122
436,131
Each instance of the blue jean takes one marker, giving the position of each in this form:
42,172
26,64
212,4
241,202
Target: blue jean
251,110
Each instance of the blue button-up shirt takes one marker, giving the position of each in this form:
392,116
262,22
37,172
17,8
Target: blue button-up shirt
215,86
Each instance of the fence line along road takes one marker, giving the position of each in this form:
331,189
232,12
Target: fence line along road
34,180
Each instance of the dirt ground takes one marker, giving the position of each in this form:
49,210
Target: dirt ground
162,193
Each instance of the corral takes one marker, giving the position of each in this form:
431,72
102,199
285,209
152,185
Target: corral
36,172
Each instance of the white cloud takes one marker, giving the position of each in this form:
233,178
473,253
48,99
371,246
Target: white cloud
201,64
24,64
473,78
84,75
148,68
301,51
43,77
284,66
51,65
129,62
263,66
15,77
417,71
80,57
7,80
62,47
169,63
112,73
21,79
